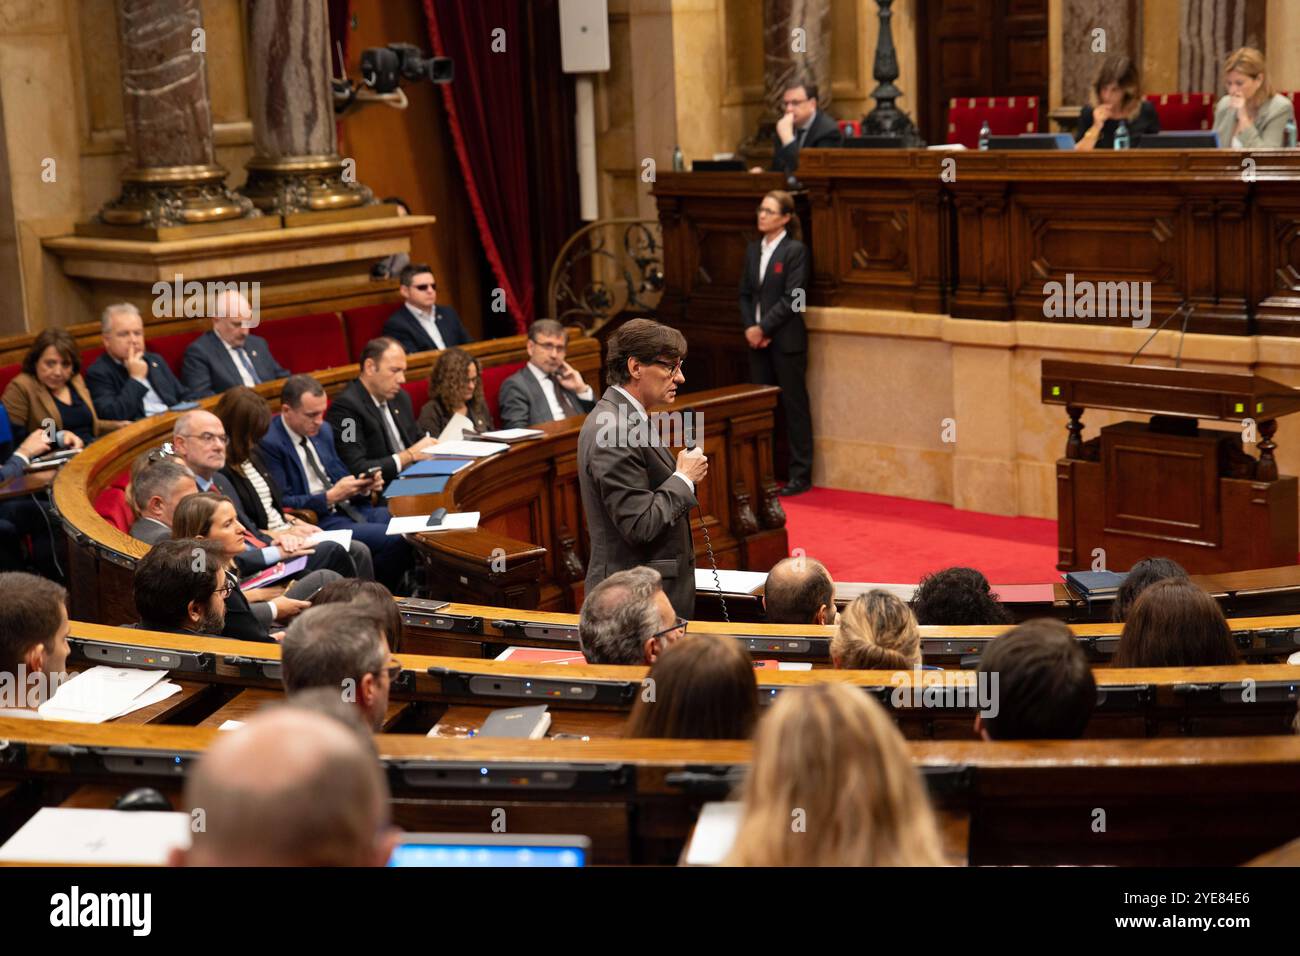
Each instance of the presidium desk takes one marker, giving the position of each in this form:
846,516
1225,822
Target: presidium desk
530,547
977,235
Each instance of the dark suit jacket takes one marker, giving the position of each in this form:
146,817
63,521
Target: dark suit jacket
824,132
279,451
637,512
209,369
149,531
787,271
403,327
434,418
117,395
367,447
523,403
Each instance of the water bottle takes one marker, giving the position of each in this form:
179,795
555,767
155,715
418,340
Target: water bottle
1121,135
1289,134
679,161
985,133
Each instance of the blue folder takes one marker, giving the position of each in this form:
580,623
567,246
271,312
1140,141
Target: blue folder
416,486
433,466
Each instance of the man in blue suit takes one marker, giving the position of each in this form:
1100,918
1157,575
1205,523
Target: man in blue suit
126,382
421,325
298,450
228,355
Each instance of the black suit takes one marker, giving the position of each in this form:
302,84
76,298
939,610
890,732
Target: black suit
116,395
784,362
413,337
822,132
360,436
209,369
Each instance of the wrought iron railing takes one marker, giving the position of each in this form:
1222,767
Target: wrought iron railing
606,268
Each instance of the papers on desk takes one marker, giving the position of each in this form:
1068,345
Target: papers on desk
231,725
733,582
541,655
434,466
715,832
415,524
102,693
342,538
512,434
465,449
274,573
108,837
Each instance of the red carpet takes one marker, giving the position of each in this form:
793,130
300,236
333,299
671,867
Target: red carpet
862,537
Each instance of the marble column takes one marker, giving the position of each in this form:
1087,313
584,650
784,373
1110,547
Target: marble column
786,55
173,178
295,168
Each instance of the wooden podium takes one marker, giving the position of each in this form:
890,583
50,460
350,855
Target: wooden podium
1169,487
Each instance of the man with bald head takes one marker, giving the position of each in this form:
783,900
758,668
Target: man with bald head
290,788
799,590
229,355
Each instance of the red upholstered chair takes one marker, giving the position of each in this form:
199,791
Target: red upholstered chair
850,128
171,347
1183,111
365,323
8,373
306,343
492,379
89,355
111,505
1006,116
419,392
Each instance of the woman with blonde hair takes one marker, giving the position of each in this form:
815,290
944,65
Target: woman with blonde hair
1250,115
877,631
832,784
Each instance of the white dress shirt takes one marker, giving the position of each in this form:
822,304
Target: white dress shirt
393,432
766,249
153,405
428,323
642,412
548,389
314,484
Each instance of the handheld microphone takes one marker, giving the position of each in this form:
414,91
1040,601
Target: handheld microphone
697,451
1181,307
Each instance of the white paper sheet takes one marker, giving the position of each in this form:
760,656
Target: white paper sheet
714,833
414,524
100,693
466,449
508,434
111,837
343,537
733,582
231,725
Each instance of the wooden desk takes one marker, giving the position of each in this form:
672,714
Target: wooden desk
28,483
246,703
888,230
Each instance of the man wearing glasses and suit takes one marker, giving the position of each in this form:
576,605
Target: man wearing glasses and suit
547,389
637,499
420,324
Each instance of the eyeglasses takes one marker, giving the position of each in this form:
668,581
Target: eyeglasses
672,367
679,626
426,286
393,670
209,437
228,589
765,211
794,102
560,347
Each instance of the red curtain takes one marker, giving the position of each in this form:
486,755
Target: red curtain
485,107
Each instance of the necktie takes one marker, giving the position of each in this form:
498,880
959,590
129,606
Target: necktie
310,454
390,429
567,405
248,364
803,134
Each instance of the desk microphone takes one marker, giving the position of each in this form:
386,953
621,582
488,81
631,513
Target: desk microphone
1183,307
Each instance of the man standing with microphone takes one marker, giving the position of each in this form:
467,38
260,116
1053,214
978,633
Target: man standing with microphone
636,497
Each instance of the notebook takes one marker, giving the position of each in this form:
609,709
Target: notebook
522,723
403,487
